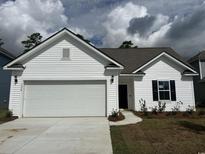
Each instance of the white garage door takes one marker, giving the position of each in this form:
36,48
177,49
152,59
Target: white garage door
64,98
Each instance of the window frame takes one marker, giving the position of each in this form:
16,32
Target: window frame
69,54
164,90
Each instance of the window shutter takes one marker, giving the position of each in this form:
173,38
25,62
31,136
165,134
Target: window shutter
173,90
155,90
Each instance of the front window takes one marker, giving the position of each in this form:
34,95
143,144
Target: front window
164,90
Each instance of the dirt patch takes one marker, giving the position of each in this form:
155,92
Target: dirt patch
5,139
164,115
17,129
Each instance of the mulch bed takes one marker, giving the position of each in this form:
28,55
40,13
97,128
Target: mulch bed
170,114
5,119
116,118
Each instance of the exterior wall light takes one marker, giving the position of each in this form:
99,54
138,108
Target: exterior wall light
15,79
112,79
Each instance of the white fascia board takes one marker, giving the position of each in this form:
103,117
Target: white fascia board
14,69
92,48
167,55
53,38
39,47
190,74
114,68
132,75
200,69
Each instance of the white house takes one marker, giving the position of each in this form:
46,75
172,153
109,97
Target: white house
5,76
198,62
65,76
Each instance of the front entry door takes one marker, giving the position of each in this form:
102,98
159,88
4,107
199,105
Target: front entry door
123,102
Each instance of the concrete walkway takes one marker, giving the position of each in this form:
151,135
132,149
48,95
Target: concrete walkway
130,118
56,136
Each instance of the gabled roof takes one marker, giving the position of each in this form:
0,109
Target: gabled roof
199,56
55,36
6,53
135,58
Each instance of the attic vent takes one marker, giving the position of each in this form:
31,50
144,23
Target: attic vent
66,54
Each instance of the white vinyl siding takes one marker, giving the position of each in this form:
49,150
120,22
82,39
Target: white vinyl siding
164,69
47,65
15,104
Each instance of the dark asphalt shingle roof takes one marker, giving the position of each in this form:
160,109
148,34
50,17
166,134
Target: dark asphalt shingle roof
134,58
199,56
6,53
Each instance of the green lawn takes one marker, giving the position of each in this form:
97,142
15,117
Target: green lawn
161,136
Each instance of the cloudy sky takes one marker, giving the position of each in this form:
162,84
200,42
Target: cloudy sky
179,24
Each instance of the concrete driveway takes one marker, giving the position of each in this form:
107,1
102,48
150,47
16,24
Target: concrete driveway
55,136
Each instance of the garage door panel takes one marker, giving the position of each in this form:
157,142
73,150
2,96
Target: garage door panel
64,98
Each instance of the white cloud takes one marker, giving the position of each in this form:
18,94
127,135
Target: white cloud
118,21
22,17
114,21
82,32
119,17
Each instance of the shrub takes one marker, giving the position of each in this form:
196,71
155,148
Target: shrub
143,107
116,116
190,109
114,113
161,106
176,108
154,110
9,114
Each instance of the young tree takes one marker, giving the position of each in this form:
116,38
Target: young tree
32,41
82,37
127,44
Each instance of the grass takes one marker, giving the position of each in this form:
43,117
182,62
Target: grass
5,116
161,136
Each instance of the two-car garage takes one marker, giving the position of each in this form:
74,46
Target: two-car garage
64,98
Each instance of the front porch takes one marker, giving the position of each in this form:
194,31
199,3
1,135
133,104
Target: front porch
126,92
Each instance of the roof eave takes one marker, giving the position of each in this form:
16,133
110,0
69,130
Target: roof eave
55,36
191,74
13,69
132,75
169,56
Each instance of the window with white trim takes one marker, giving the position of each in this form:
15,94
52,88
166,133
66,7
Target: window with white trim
66,54
164,90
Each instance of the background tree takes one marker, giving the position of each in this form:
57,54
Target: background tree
82,37
32,41
127,44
